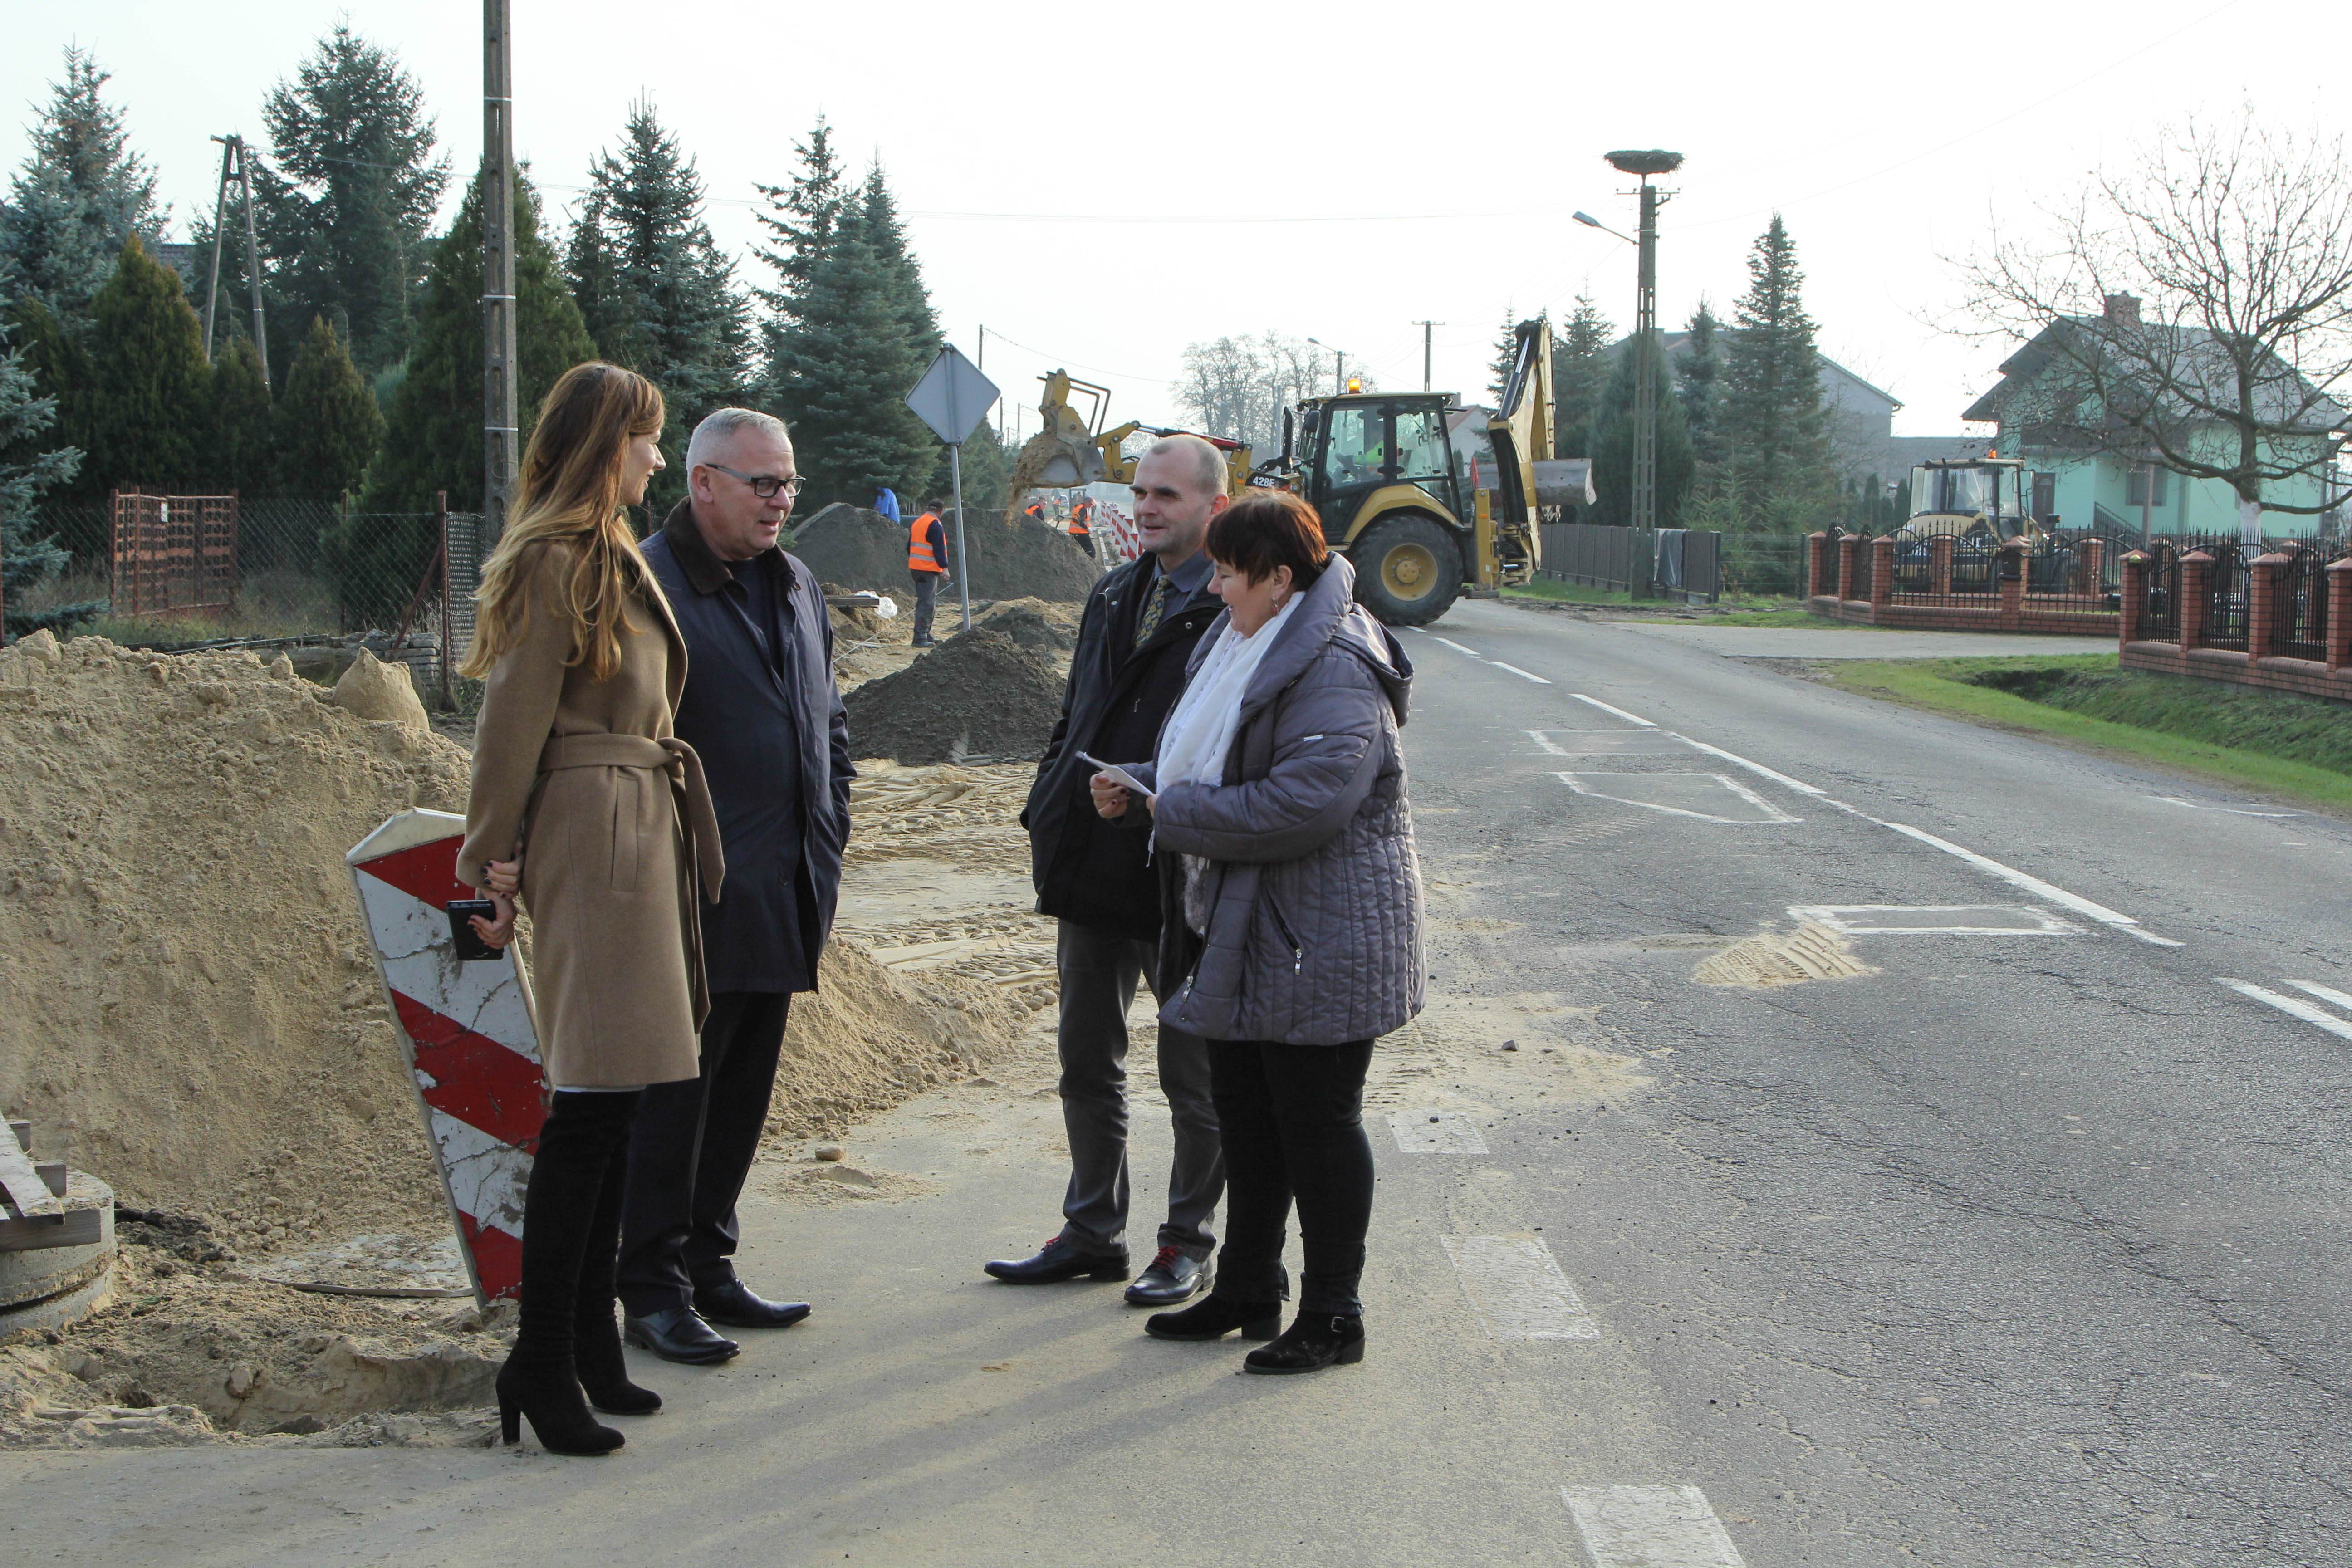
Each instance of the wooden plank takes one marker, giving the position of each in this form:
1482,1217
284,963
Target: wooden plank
26,1192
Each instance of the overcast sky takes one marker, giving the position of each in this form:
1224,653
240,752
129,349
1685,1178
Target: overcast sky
1099,186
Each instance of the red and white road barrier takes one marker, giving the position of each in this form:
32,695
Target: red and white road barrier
1112,528
466,1027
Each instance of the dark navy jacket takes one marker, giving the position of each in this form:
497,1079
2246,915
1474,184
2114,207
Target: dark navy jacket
759,735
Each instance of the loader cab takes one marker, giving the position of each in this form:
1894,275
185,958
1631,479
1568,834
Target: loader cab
1963,495
1351,447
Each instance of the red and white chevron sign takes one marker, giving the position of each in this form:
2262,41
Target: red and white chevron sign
467,1027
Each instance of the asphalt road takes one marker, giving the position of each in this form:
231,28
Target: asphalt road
2024,1245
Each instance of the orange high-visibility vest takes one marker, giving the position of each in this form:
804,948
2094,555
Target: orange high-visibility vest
1034,510
1078,515
919,554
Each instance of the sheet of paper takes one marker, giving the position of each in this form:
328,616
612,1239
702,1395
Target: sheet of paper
1127,779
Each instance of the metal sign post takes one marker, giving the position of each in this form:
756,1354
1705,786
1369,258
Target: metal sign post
952,398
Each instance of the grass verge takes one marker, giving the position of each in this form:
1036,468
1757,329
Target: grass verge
2256,740
1549,592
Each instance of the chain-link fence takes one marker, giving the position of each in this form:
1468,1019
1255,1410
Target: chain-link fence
182,570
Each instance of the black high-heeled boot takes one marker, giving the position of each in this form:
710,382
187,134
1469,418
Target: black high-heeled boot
595,1336
584,1136
1316,1340
1214,1316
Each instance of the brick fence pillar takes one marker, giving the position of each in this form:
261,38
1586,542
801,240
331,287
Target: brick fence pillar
1844,568
2339,614
2196,578
2011,572
2094,564
1882,577
1939,565
1816,573
2262,583
2133,598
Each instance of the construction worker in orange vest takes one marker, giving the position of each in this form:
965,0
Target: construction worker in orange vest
1034,512
927,563
1082,513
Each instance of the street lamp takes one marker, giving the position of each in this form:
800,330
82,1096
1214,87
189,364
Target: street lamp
1645,165
1339,366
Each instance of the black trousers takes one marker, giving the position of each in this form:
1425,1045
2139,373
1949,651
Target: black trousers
927,602
1293,1123
691,1149
572,1219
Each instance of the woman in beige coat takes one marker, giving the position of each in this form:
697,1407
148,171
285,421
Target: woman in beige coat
588,809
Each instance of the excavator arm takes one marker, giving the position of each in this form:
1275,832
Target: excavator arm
1521,431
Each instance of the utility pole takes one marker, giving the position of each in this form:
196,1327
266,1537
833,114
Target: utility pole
235,165
501,417
1645,373
1424,327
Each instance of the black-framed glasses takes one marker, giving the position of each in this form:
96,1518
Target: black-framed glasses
766,485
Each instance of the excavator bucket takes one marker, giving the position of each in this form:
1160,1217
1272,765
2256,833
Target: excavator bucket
1061,455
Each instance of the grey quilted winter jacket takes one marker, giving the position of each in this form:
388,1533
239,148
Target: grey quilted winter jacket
1315,930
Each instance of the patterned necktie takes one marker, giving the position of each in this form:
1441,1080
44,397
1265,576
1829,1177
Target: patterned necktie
1153,608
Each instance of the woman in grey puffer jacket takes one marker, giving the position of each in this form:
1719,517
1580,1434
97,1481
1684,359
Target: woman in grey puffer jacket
1293,914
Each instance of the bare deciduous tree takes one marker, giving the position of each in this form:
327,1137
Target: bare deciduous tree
1238,387
2194,311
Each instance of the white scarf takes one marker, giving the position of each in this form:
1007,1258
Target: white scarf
1201,731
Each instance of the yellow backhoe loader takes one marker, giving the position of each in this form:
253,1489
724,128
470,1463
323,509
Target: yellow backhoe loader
1379,468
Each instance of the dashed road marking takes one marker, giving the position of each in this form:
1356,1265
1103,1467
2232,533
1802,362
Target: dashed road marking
1633,718
1650,1527
1609,742
1659,791
1457,647
2325,993
1518,1289
1522,674
2294,1007
2034,885
1762,771
1435,1132
1935,920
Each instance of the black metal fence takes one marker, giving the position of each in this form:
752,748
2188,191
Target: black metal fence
2160,613
2299,600
2226,595
1865,562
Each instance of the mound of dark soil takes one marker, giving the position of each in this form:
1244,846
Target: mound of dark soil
977,697
1032,622
1021,560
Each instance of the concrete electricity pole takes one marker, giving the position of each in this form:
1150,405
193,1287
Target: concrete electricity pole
501,417
1645,373
236,165
1424,327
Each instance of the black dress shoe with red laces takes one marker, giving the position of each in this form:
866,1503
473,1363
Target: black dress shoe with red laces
1172,1276
1057,1260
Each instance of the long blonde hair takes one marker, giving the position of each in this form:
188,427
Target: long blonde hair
570,493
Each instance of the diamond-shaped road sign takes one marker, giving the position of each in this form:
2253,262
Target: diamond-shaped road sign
953,396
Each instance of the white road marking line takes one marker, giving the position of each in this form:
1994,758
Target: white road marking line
2325,993
1609,742
2034,885
1435,1132
2292,1007
1518,1289
1800,786
1457,647
1650,1527
1522,674
1884,920
2234,811
1629,718
1772,814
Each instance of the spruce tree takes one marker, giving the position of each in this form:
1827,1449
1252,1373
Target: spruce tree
1506,357
345,212
877,215
432,426
839,379
80,194
1611,443
245,444
1580,370
1698,368
1771,429
665,302
28,466
802,218
328,425
148,417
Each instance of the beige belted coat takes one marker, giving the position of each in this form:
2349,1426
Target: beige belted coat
609,813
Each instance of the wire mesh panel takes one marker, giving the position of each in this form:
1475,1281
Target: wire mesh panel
2159,605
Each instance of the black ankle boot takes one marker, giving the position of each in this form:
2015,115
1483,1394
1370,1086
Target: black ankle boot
603,1370
1214,1316
548,1393
1316,1341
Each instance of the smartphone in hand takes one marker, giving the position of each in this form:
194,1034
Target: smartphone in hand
470,943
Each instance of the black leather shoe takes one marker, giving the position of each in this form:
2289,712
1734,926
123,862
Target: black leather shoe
678,1334
1316,1341
734,1305
1213,1316
1172,1276
1057,1260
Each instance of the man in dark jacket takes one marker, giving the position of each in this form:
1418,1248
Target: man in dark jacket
1095,877
760,709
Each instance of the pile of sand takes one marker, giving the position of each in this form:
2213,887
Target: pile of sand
852,625
978,696
1032,622
1009,561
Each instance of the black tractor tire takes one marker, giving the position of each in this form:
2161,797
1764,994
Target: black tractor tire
1408,569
